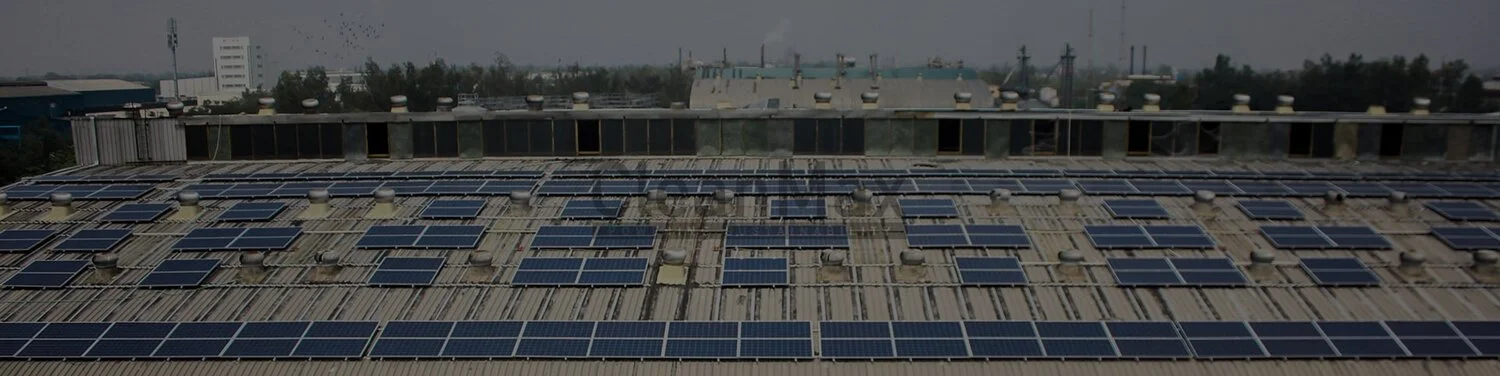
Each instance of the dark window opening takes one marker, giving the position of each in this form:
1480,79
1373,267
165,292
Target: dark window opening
828,136
612,137
1208,138
286,141
423,140
331,140
1300,144
197,142
1138,138
854,136
588,137
1086,138
446,138
973,136
804,136
684,137
659,141
1044,137
1390,140
377,140
950,136
635,137
494,138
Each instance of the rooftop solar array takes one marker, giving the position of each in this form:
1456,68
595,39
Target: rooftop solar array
1176,272
374,175
1339,271
928,208
799,209
97,179
1324,237
967,236
452,209
594,237
186,340
1270,210
1023,173
93,240
23,240
180,273
787,236
1135,187
361,188
406,271
577,271
1463,211
238,239
592,209
1136,209
1141,237
1469,238
46,274
420,237
136,213
252,211
80,192
755,272
590,339
990,271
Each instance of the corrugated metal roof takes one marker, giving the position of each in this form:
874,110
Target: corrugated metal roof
1447,290
95,85
32,91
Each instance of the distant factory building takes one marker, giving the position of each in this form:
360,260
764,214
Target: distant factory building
908,87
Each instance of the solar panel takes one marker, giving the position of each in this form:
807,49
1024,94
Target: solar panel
136,213
79,192
23,240
1221,340
46,274
1324,237
452,209
1339,271
1463,211
1140,237
1176,272
787,236
406,271
92,240
1068,339
180,273
928,208
362,188
420,237
1468,238
592,209
1361,339
755,272
799,209
990,271
1270,210
962,236
594,237
1136,209
238,239
566,271
252,211
1148,339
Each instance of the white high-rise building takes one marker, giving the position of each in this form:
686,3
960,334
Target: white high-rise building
239,65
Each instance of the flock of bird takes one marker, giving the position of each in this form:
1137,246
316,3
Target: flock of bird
337,37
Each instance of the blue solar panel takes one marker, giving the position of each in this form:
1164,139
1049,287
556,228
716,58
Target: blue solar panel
592,209
46,274
961,236
1270,210
93,240
1136,209
252,211
23,240
755,272
990,271
1468,238
1463,211
225,239
1169,272
788,236
135,213
596,237
928,208
406,271
421,237
799,208
180,273
1339,272
1138,237
79,192
1324,237
543,271
452,209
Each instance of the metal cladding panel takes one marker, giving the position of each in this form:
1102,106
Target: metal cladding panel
901,137
877,137
1367,141
710,141
355,143
471,139
637,134
732,136
997,138
1272,142
1114,139
1481,143
402,140
779,137
565,139
756,135
924,137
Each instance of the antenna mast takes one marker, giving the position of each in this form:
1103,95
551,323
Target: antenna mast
172,45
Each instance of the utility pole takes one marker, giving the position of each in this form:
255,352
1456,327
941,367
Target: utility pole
1122,32
1025,76
172,45
1066,100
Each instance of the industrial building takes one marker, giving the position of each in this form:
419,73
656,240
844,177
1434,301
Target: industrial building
877,240
239,65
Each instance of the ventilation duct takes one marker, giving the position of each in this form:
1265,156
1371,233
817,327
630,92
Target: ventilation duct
267,106
62,207
187,206
398,104
385,204
1153,103
317,205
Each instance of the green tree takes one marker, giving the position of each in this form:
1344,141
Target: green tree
293,87
40,149
1470,96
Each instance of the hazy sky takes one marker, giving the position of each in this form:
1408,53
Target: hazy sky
112,36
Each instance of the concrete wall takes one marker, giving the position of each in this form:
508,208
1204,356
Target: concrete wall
354,142
400,140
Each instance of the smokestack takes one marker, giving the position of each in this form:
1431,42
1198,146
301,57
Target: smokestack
797,64
762,55
726,57
1144,68
1132,60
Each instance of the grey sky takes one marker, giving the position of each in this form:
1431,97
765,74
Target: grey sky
99,36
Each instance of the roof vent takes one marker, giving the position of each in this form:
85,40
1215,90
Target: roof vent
1261,267
912,268
862,195
1153,102
1484,263
1397,201
913,257
1241,103
1376,109
1419,106
1069,200
535,102
863,202
480,259
1334,198
1412,260
520,198
724,195
1071,265
62,207
1106,102
1010,101
674,257
1203,204
1000,196
1284,104
823,100
252,266
673,268
385,204
1070,256
398,103
106,261
328,258
678,106
4,205
1262,257
831,266
187,206
174,108
317,206
310,106
869,100
656,201
963,101
444,104
831,258
581,100
267,106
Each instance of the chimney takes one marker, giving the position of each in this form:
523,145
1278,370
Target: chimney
1153,103
762,55
1010,101
726,58
869,100
961,101
823,100
385,204
534,102
797,65
1241,103
309,106
174,109
445,104
1106,102
398,103
317,205
581,100
62,207
187,206
1419,106
1132,60
1376,109
1145,69
267,106
1284,104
